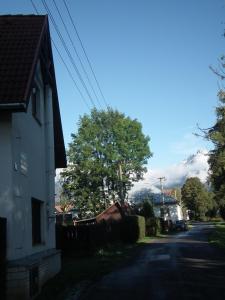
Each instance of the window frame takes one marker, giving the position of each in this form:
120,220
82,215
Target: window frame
36,103
36,222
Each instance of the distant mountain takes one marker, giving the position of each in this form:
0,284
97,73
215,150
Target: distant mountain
195,165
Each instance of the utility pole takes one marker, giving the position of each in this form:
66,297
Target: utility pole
120,173
161,179
175,194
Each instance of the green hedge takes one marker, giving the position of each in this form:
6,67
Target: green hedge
132,229
153,226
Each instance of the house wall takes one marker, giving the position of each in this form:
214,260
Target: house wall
7,206
20,287
32,175
27,171
175,212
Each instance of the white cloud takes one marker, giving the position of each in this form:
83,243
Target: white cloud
194,166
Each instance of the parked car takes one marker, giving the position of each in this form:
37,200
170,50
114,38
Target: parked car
181,225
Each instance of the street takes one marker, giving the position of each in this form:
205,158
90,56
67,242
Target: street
182,266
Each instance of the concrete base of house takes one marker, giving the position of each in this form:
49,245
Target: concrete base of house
25,277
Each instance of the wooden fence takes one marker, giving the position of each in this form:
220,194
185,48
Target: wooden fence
3,223
86,238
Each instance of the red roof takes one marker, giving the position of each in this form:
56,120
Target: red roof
20,37
25,40
58,209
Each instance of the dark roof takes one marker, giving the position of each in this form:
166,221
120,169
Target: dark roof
157,199
25,39
175,202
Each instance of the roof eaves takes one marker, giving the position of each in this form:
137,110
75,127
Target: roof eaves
13,106
34,64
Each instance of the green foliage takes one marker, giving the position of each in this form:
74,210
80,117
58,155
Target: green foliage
217,156
142,203
217,238
106,156
147,209
133,229
153,226
196,198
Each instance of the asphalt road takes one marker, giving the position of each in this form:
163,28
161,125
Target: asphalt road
184,266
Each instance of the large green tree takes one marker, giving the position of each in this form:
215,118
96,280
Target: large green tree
196,198
217,156
106,155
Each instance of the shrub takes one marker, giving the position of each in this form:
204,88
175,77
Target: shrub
132,229
147,210
153,226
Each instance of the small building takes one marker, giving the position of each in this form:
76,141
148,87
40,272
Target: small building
65,215
170,210
31,148
113,213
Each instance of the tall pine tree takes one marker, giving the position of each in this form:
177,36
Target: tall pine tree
217,156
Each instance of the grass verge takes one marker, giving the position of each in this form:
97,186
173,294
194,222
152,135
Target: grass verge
217,238
89,268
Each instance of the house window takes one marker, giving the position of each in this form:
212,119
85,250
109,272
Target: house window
36,104
36,221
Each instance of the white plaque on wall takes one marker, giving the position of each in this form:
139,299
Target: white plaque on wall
23,163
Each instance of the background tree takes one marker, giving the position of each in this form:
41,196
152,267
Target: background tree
147,209
196,198
106,156
217,156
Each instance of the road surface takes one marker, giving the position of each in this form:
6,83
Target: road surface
183,266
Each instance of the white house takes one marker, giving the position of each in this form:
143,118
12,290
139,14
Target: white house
31,148
170,211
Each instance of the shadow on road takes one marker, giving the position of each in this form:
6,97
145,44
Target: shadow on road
182,266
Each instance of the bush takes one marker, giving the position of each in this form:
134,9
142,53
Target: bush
153,226
132,229
147,210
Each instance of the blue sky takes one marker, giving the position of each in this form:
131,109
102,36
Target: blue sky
152,61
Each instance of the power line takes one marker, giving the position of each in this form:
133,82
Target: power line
77,54
85,53
69,72
161,179
71,76
69,54
34,6
67,50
